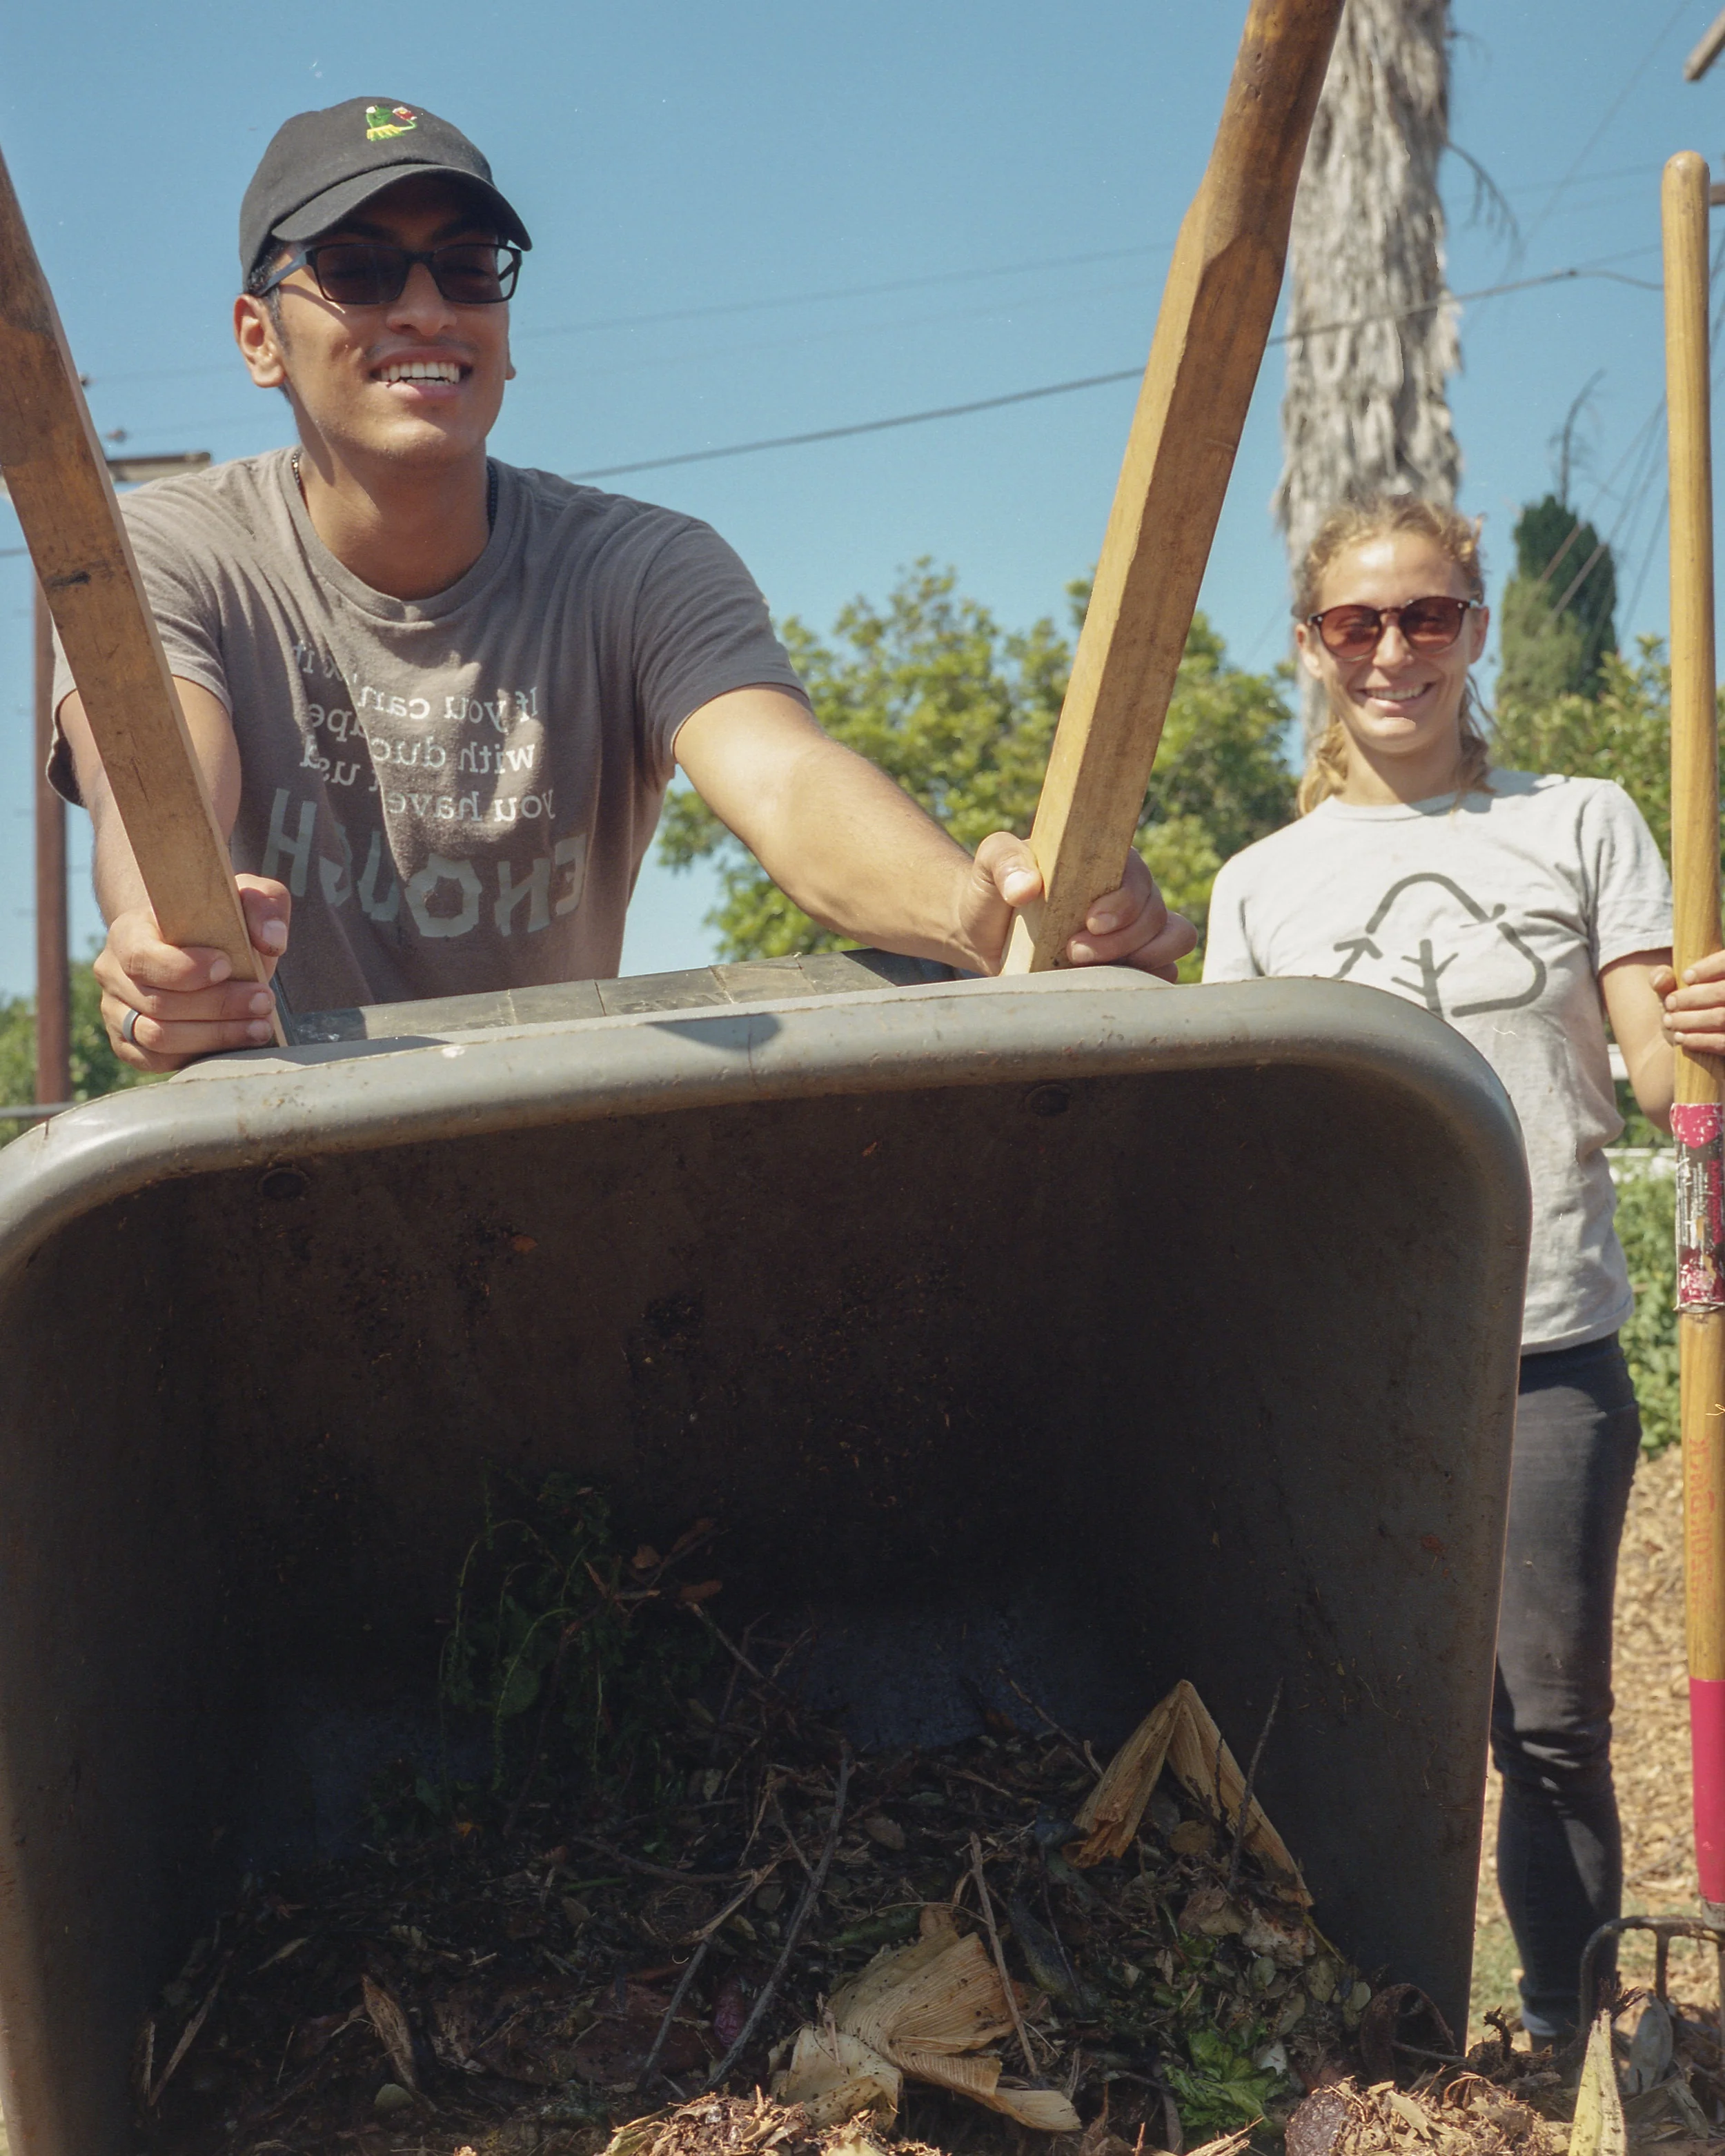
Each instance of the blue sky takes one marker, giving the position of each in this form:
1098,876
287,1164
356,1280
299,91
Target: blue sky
762,219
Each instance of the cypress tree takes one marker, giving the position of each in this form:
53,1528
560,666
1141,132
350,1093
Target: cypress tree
1558,618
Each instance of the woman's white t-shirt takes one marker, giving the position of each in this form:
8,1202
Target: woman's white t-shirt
1497,913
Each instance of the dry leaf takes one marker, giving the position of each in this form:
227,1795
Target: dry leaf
1180,1733
1209,1911
1599,2129
926,2010
835,2077
1110,1812
385,2013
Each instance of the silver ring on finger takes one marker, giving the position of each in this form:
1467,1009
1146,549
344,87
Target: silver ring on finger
129,1026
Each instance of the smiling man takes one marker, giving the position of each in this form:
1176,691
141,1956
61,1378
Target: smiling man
437,698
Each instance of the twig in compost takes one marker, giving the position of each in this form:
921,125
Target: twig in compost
801,1641
699,1609
1081,1751
1006,1983
1174,2128
794,1930
784,1828
655,1870
1012,1796
712,1749
1251,1779
188,2035
752,1884
649,2065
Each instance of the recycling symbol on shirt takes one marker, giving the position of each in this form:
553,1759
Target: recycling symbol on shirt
1429,968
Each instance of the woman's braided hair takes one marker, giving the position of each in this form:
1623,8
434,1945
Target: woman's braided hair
1372,516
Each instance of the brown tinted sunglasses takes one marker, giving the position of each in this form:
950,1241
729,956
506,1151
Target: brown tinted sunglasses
1354,632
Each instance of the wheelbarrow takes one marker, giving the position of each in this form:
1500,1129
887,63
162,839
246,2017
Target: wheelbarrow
1025,1330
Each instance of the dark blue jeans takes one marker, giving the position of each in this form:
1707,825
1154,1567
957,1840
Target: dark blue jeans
1559,1846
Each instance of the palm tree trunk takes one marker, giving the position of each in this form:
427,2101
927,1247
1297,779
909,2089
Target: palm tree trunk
1371,327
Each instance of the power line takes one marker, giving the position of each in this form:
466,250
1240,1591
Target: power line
942,277
1611,113
1082,381
104,379
849,291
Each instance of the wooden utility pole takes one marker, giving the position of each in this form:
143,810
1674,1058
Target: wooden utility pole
1697,1118
54,981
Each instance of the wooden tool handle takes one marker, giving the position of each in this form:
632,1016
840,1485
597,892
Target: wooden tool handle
1216,312
59,481
1700,1080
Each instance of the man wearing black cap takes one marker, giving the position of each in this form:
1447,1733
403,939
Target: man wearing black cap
438,699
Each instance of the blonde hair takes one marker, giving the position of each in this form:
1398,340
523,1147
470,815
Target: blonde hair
1372,516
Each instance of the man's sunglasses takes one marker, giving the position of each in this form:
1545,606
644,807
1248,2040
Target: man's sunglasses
1354,632
369,273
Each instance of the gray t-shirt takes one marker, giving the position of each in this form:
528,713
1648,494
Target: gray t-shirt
1497,915
458,791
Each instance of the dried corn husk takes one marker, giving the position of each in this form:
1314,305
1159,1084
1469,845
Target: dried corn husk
925,2010
1180,1734
835,2075
1599,2129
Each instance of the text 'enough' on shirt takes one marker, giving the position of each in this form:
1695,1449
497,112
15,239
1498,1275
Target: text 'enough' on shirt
458,790
1496,912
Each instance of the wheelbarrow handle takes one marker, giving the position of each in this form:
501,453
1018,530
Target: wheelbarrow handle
1216,313
1696,1120
58,480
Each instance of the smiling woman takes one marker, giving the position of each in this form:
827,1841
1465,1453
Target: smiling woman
1523,910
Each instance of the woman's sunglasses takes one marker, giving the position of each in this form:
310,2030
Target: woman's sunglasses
1354,632
355,273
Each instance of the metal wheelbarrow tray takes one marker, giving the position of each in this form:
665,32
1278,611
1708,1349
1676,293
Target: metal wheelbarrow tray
1103,1333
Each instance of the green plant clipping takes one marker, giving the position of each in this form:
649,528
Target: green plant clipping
1221,2090
557,1634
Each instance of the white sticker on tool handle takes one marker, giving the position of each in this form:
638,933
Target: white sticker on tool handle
1701,1206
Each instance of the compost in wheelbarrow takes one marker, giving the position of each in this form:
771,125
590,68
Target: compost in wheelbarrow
1024,1325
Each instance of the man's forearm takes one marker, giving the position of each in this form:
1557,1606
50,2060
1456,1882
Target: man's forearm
114,868
119,886
859,856
856,853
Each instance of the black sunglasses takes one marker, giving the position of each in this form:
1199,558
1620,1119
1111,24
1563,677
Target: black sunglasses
370,273
1354,632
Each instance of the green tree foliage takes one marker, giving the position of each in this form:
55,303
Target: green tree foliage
1646,1227
961,713
1622,731
95,1068
1556,623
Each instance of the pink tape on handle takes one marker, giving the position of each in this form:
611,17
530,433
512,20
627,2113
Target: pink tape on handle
1706,1738
1696,1122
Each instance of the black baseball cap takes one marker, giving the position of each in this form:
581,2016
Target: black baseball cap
320,166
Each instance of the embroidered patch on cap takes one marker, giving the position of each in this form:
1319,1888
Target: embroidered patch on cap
384,121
